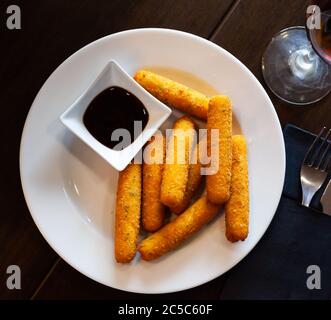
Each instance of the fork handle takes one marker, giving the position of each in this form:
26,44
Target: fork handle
306,197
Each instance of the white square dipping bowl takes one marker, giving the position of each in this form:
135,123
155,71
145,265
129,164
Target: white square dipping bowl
114,75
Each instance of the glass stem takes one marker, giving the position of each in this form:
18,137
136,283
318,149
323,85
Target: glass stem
303,63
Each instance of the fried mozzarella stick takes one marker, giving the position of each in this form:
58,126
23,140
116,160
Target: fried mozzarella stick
219,117
179,229
177,166
127,217
237,208
153,210
174,94
193,183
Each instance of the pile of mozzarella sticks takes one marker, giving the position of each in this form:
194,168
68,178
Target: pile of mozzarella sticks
145,191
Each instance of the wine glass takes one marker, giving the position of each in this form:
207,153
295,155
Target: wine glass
297,62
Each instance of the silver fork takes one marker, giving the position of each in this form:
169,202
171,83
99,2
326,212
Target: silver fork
314,168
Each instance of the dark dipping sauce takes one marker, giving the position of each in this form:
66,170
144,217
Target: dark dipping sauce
114,108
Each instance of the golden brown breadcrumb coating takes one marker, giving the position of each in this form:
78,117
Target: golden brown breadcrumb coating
177,166
237,208
193,183
174,94
220,117
179,229
153,211
127,214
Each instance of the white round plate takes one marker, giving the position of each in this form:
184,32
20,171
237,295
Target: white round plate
71,191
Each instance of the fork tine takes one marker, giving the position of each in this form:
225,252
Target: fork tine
325,153
320,150
326,166
313,145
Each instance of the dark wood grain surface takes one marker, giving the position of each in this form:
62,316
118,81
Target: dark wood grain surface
54,29
247,32
66,283
51,31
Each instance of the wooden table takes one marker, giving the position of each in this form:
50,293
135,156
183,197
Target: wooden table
54,29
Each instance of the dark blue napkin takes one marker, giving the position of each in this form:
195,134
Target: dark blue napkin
295,249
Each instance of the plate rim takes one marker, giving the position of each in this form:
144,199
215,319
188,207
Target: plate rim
118,34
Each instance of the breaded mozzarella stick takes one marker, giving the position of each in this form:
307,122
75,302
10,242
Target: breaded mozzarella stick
237,208
127,216
174,94
153,210
177,166
193,183
220,118
179,229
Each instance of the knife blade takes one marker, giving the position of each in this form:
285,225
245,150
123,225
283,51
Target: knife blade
326,199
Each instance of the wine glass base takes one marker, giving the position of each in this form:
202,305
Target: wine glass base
292,69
